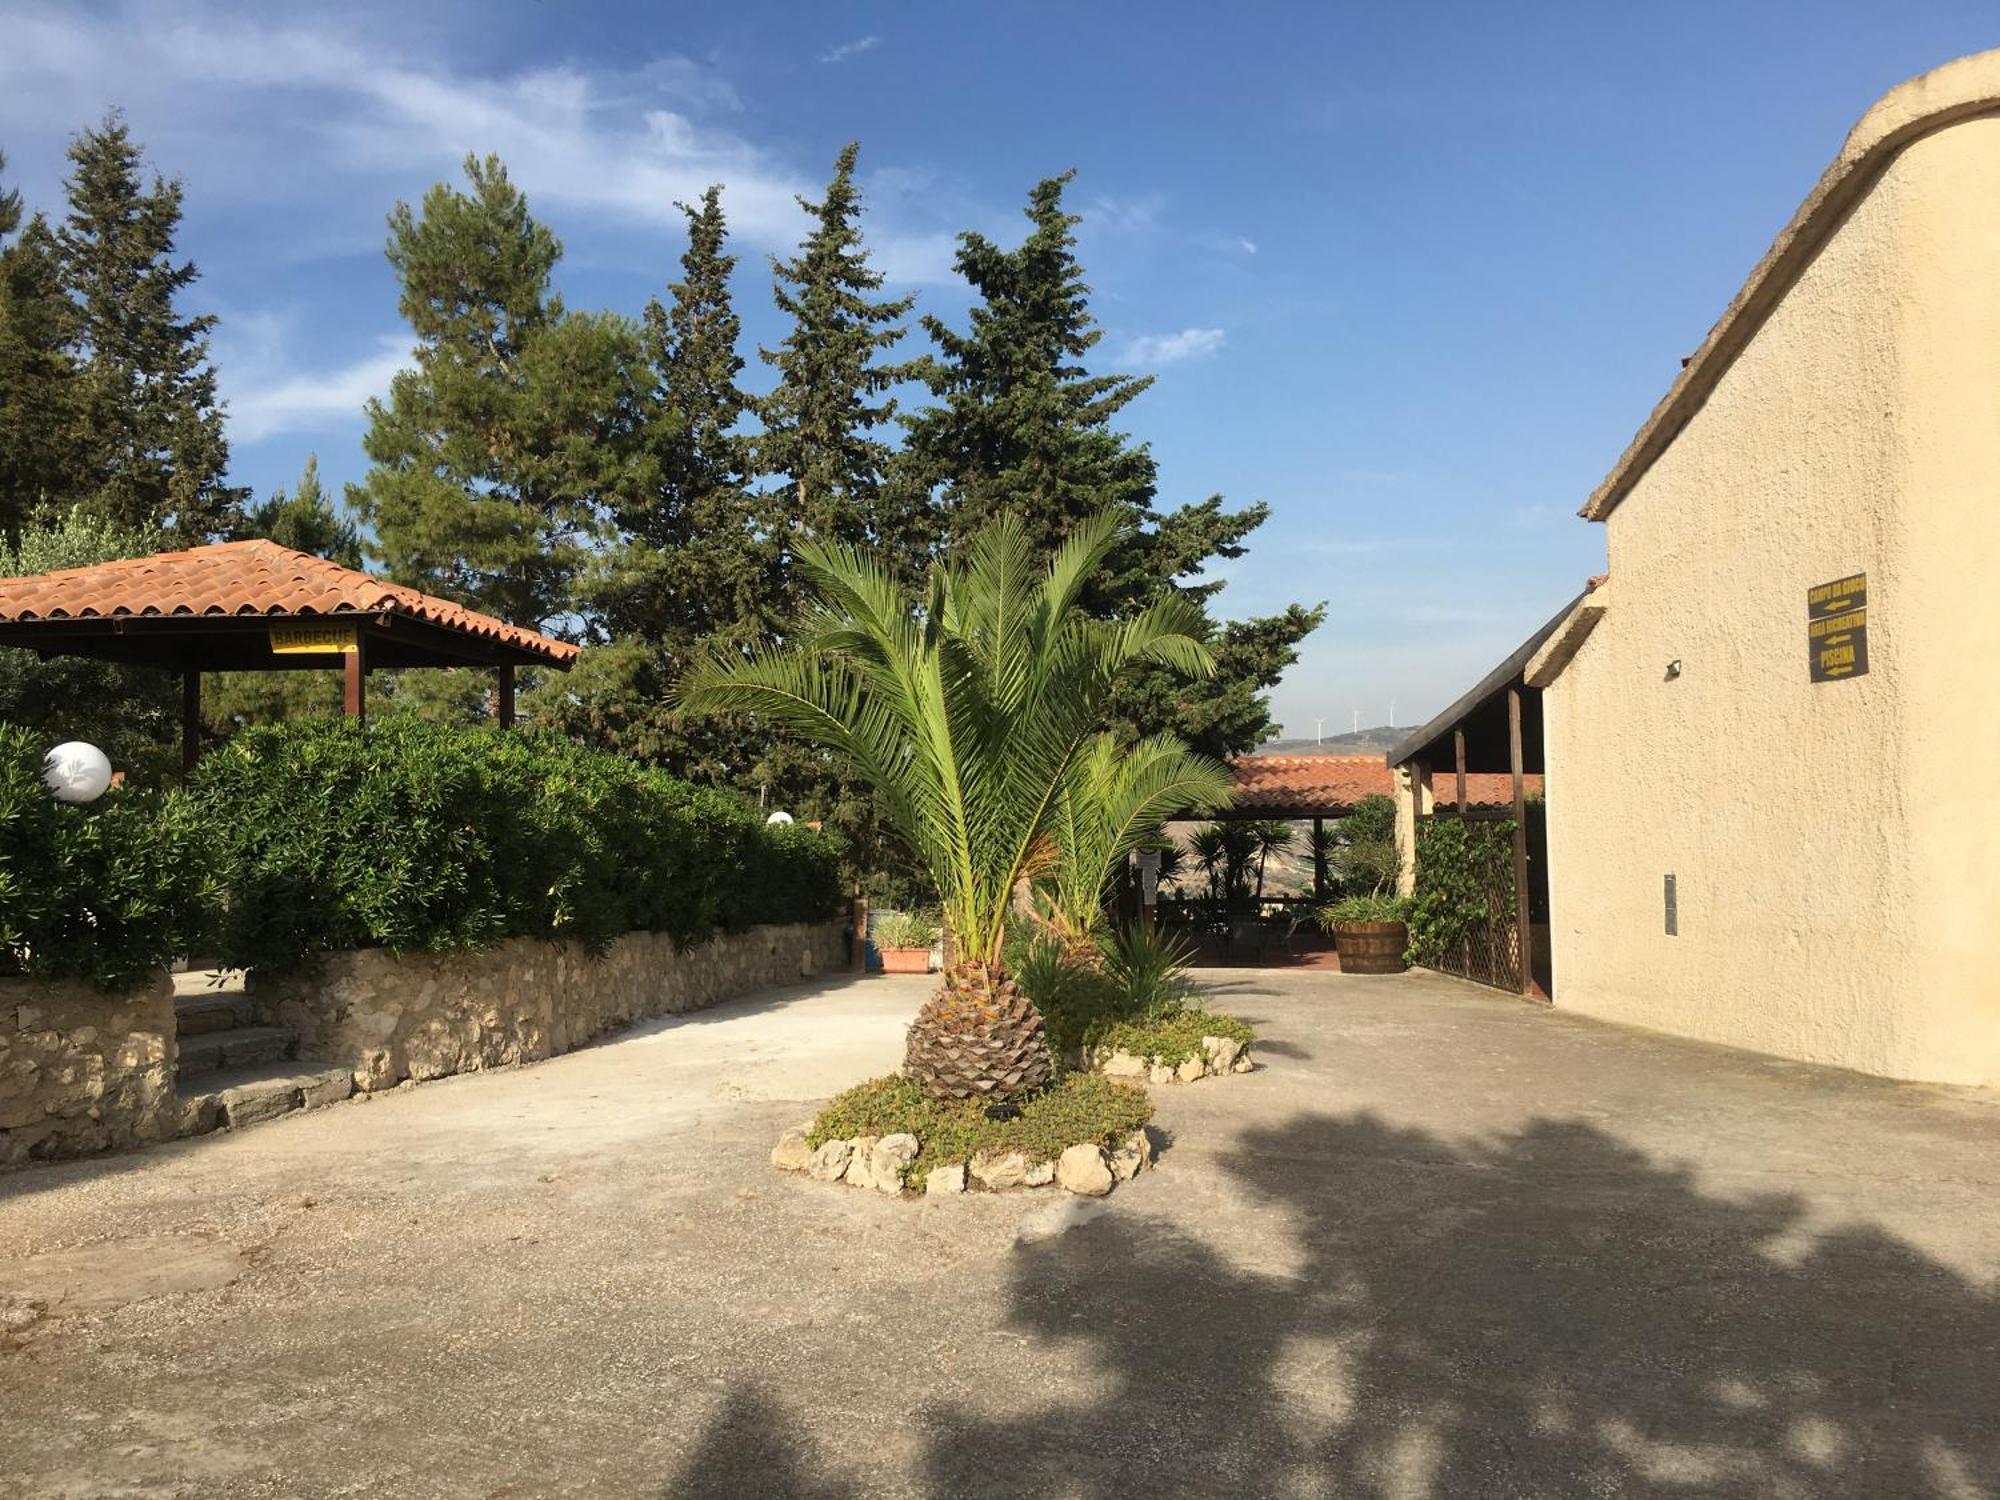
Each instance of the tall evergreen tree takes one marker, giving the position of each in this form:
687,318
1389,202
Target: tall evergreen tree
694,571
307,520
147,435
37,375
821,420
499,457
1019,425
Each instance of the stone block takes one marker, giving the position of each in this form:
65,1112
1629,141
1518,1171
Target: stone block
792,1154
1082,1170
942,1180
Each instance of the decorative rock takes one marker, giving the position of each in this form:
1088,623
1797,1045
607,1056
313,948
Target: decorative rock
1081,1170
1159,1073
999,1172
1132,1157
861,1163
1041,1174
1121,1065
829,1163
941,1180
792,1154
1222,1052
1243,1064
1190,1070
886,1162
328,1087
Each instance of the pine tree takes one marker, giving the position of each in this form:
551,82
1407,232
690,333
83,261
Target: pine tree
307,520
1018,424
693,572
820,420
147,433
499,457
37,375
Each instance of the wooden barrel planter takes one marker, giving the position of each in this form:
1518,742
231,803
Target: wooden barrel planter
1371,947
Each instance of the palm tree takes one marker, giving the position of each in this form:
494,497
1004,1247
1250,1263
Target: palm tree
1114,801
1209,845
1273,836
967,710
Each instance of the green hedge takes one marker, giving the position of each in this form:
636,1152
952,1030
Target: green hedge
420,837
108,892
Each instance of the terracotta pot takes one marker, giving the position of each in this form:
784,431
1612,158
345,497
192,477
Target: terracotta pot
1371,947
906,960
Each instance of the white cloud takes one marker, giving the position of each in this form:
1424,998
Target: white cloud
298,111
854,48
1249,246
1170,348
312,402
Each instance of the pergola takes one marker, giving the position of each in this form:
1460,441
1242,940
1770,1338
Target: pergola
254,606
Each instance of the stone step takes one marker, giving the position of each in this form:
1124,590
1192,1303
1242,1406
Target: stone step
225,1010
237,1047
230,1098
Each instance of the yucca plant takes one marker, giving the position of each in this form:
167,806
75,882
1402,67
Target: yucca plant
1113,802
967,709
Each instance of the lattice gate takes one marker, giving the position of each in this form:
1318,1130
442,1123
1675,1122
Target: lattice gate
1491,946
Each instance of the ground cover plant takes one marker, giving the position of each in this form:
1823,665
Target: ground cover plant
1081,1108
1136,998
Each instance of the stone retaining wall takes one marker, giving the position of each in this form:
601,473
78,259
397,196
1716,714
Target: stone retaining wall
82,1071
428,1015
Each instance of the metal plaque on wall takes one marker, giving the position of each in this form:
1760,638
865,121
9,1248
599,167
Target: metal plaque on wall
1837,628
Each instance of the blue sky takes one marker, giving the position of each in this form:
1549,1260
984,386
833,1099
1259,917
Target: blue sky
1413,274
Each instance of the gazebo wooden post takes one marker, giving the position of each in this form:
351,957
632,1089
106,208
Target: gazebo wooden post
503,697
190,718
355,664
1522,926
1319,858
1458,744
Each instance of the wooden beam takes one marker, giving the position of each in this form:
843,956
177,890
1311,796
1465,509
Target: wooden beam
1458,744
356,668
503,699
190,719
1523,926
1319,859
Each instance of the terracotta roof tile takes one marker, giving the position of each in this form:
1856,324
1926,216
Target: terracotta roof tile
246,578
1288,783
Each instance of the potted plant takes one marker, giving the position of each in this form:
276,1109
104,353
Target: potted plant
905,940
1369,932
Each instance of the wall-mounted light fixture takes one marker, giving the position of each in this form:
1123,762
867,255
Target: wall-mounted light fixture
1673,669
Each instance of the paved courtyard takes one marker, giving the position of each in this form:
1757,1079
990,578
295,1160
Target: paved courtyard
1440,1244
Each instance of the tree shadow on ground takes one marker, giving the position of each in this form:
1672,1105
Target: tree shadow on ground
1550,1314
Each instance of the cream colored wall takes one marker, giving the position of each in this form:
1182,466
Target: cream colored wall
1834,843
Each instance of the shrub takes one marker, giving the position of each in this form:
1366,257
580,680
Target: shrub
1465,880
901,929
1137,1002
1079,1107
1149,968
421,837
1374,907
109,892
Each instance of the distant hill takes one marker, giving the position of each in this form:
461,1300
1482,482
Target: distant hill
1374,741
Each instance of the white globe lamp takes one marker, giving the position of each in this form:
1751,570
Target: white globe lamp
779,817
77,772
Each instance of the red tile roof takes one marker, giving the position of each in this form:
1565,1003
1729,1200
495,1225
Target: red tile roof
246,578
1334,783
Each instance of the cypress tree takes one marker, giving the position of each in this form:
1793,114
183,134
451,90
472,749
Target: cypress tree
820,420
499,456
147,431
1018,423
37,375
694,572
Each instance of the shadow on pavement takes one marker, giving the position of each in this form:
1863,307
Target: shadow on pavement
1551,1314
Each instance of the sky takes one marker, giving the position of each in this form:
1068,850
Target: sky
1412,275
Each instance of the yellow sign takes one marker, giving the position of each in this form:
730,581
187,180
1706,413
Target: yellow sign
314,638
1837,628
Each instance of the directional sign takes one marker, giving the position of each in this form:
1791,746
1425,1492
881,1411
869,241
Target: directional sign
1837,628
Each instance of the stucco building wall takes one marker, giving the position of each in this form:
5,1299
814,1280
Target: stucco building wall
1836,845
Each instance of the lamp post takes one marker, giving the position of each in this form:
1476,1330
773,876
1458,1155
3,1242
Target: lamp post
76,772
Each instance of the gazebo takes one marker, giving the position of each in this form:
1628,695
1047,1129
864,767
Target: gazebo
254,606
